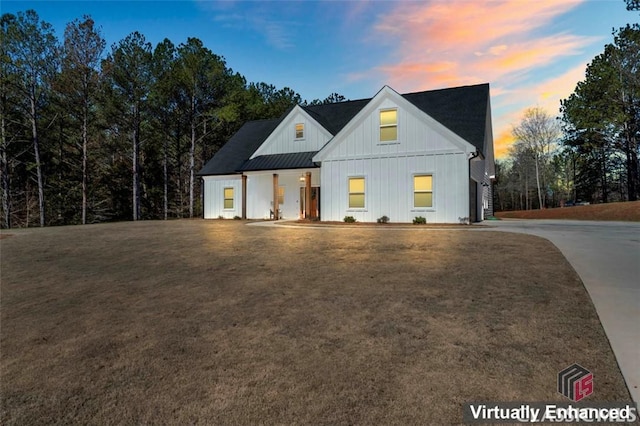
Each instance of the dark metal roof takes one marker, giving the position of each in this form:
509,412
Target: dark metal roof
235,152
296,160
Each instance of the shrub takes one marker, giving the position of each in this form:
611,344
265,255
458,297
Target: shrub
220,217
350,219
237,218
419,220
383,219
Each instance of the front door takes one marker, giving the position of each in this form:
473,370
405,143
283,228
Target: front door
314,203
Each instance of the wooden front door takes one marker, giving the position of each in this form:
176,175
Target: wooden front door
314,203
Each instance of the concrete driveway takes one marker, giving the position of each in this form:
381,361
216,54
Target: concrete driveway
606,256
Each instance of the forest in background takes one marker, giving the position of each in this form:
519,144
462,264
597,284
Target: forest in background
589,152
92,134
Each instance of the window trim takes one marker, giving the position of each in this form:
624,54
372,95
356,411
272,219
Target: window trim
295,131
387,126
364,193
225,198
413,198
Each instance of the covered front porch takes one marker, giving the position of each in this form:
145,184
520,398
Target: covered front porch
295,193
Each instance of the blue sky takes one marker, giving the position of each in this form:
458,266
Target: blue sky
533,52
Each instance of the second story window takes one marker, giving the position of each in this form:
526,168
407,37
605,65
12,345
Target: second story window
300,131
388,125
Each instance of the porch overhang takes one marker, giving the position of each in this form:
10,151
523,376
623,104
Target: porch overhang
294,160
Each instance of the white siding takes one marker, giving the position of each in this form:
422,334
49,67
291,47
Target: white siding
423,146
389,188
414,135
214,196
283,139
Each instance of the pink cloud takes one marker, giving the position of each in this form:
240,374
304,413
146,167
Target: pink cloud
504,42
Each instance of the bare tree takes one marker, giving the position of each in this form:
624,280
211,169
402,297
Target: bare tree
83,47
538,132
32,48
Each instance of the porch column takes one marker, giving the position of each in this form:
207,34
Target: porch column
307,195
244,196
276,206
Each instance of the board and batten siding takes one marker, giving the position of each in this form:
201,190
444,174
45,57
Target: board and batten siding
423,147
389,188
214,196
283,139
415,135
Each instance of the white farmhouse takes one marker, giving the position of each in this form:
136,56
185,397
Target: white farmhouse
426,154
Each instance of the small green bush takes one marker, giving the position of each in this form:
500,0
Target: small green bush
220,217
350,219
237,218
383,219
419,220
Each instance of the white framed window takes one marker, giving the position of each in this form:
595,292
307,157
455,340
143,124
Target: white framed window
422,191
356,192
228,198
388,125
299,130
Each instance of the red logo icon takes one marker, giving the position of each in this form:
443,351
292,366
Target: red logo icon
575,382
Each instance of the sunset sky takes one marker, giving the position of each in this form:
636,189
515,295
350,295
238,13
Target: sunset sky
532,52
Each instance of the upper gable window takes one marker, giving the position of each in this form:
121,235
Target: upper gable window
388,125
300,131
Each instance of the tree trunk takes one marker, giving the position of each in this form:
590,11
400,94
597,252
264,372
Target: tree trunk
36,153
180,181
165,177
4,176
84,164
192,151
526,191
631,164
605,190
135,165
540,205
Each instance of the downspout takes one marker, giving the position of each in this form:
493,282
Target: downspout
202,192
472,155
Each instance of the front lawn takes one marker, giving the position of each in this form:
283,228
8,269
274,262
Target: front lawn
217,322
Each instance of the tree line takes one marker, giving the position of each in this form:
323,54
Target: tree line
589,153
90,134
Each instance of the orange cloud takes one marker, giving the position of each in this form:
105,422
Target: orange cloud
477,41
443,44
502,143
546,95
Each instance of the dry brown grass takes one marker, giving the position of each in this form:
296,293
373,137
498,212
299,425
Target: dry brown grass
627,211
215,322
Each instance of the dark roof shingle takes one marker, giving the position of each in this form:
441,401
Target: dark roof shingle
235,152
463,110
334,117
